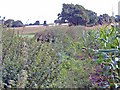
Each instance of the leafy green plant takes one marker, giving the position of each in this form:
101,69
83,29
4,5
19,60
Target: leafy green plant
108,56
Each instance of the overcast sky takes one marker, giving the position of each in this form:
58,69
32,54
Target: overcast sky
48,9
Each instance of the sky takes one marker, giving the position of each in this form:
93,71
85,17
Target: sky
28,11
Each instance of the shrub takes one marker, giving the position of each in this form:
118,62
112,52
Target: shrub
17,23
37,23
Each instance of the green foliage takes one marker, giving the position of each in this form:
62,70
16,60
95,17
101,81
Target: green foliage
78,15
73,74
108,55
17,23
9,22
74,14
65,63
12,23
93,18
38,61
68,62
105,18
37,22
45,23
31,64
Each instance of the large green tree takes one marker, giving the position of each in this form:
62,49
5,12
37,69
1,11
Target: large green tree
9,22
74,14
37,22
18,23
12,23
78,15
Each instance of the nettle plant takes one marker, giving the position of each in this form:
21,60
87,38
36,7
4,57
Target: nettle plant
108,56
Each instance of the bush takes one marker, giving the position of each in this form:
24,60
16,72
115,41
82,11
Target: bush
9,22
12,23
37,23
17,23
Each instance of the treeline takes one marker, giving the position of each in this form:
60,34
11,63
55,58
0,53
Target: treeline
78,15
12,23
74,15
19,23
37,23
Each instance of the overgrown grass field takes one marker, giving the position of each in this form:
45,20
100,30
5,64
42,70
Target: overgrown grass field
76,58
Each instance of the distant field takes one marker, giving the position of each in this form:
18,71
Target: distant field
35,29
30,31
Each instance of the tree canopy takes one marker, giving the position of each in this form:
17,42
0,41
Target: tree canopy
74,14
9,22
37,22
18,23
12,23
78,15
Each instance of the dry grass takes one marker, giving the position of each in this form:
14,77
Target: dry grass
28,30
35,29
